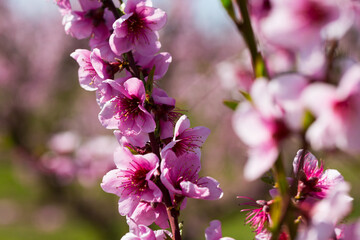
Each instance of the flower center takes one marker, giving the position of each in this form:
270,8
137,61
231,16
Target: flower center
315,13
137,27
187,143
127,108
135,179
280,131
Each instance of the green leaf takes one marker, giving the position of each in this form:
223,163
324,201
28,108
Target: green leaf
260,68
132,150
246,96
276,212
228,5
308,119
150,82
231,104
268,179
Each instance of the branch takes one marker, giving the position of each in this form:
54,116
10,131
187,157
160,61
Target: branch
172,212
247,32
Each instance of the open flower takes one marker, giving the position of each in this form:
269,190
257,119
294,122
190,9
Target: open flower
263,124
326,214
306,19
187,139
160,61
126,110
137,28
131,181
93,69
89,22
337,112
146,213
313,180
142,232
180,175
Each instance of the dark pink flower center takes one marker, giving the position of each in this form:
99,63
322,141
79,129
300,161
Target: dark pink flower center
310,181
186,175
127,108
136,28
187,143
347,106
280,130
134,179
315,13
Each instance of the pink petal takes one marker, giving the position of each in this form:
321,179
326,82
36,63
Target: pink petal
156,19
318,97
135,87
261,159
107,115
249,125
181,125
120,45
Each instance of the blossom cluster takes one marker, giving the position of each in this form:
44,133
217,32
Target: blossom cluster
302,84
157,160
317,191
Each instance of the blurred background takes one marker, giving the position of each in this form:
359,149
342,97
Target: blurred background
51,155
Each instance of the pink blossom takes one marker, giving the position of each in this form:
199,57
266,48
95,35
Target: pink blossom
180,175
279,60
312,62
305,20
147,213
108,90
137,29
327,213
263,236
259,216
104,69
213,232
93,69
131,180
236,76
126,110
142,232
313,180
165,107
337,112
160,61
187,139
268,235
132,140
275,111
259,9
64,6
89,21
